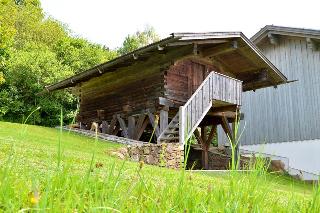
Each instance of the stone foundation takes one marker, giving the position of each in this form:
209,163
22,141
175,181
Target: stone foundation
168,155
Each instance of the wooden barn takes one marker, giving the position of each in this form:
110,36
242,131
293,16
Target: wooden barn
182,82
291,132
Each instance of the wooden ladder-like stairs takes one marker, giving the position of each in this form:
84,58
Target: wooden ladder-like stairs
171,133
216,86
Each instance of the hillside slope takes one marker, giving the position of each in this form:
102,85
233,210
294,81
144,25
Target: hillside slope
84,177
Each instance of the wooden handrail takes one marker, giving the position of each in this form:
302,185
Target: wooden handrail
216,86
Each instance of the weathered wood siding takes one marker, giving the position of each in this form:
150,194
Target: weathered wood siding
292,111
125,91
184,78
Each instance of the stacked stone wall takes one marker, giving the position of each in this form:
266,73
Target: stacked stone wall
168,155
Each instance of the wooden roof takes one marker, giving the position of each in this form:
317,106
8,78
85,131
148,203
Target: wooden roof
269,30
232,52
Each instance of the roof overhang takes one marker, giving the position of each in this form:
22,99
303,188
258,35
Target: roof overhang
233,52
269,31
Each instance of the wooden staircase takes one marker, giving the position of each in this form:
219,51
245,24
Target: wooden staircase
171,133
216,87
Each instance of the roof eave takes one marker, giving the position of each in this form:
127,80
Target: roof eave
265,59
286,31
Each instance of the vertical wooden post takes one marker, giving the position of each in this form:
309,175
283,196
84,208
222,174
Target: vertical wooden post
123,126
205,147
205,141
131,126
163,118
181,125
141,128
112,125
104,127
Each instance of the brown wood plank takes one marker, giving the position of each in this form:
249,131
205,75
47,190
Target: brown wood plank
123,126
131,126
141,129
112,125
226,127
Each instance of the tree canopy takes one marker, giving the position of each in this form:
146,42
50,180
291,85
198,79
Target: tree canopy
139,39
36,51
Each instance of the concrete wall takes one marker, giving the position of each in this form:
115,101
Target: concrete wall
302,155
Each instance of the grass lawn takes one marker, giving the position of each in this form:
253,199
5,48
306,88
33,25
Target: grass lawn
82,177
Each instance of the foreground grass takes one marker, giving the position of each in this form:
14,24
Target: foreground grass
31,180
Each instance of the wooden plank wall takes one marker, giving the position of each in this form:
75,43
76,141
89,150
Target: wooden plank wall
122,92
182,79
290,112
131,90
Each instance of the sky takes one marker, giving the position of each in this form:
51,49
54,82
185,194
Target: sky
109,22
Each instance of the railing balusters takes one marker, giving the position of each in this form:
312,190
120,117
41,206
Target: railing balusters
215,87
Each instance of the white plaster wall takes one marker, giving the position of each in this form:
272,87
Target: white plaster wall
302,155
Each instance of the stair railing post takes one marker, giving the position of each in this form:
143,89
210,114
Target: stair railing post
181,125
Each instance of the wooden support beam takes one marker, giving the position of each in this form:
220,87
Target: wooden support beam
135,57
312,44
104,127
131,126
154,124
163,118
221,66
205,147
273,39
116,129
112,125
220,49
138,126
141,129
226,127
253,76
227,114
123,126
195,49
212,133
204,140
232,108
203,134
160,48
167,102
198,42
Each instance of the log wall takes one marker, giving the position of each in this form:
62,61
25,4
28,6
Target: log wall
182,79
135,89
122,92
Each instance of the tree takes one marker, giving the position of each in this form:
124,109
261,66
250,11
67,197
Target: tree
39,51
139,39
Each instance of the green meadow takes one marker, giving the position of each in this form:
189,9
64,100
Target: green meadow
43,169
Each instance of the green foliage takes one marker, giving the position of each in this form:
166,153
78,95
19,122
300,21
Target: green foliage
34,52
79,55
8,13
139,39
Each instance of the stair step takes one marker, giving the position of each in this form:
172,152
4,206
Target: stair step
171,132
174,127
169,138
